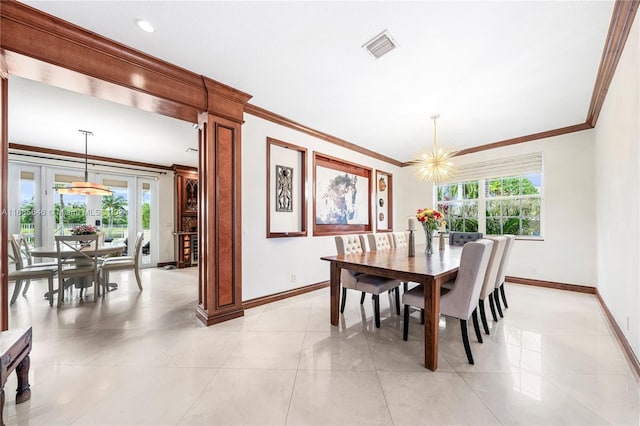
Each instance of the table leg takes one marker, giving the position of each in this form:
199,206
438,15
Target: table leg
23,392
431,323
335,291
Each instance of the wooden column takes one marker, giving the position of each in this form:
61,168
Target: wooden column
4,228
219,205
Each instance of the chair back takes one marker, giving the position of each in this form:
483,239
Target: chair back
15,256
463,297
401,239
23,250
138,247
74,249
348,244
100,238
461,238
379,242
497,251
502,271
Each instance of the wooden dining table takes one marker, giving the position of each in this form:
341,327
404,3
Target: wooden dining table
429,270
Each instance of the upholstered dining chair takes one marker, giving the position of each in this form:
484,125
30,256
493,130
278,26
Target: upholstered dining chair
400,239
24,272
384,242
488,286
120,263
502,271
77,258
352,244
462,300
461,238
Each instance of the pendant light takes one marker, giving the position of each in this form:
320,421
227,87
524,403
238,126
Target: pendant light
86,187
434,165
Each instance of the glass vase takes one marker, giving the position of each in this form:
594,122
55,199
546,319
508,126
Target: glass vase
429,240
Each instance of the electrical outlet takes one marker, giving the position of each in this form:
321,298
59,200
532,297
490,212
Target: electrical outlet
534,271
293,278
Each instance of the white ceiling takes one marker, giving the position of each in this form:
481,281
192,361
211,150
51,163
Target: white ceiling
494,70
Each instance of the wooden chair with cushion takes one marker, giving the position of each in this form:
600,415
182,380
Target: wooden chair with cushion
352,244
77,259
462,300
121,263
383,242
26,273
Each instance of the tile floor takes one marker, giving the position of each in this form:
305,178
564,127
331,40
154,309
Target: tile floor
142,358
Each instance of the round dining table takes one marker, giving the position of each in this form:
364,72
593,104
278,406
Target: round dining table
106,249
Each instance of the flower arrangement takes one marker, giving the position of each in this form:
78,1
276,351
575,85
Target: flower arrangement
429,218
84,230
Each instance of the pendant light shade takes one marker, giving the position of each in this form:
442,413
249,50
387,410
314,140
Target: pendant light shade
86,187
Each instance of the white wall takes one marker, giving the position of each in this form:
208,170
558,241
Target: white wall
268,263
567,253
617,136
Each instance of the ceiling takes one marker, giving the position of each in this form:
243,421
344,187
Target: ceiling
493,70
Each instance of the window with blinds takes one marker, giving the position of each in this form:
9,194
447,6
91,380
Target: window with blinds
495,197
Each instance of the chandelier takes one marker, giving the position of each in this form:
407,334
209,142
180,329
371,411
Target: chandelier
435,165
86,187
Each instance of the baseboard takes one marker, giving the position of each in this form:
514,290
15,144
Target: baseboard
163,264
551,284
622,339
263,300
631,357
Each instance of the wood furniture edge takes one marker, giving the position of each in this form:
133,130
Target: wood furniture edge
4,205
304,198
631,357
270,298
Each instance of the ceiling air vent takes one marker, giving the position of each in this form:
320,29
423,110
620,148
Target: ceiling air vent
380,44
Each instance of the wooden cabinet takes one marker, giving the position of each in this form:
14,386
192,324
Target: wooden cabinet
186,205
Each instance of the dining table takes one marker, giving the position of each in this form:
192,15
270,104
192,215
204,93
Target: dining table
104,249
429,270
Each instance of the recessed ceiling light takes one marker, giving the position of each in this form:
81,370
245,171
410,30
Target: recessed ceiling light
144,25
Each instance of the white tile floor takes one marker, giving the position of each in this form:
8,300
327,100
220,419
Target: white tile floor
142,358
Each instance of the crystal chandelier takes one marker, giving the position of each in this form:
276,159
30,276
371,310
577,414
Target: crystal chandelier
435,165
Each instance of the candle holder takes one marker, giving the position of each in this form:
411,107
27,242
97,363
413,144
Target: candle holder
412,244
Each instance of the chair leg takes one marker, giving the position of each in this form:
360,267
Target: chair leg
16,291
50,284
376,309
362,298
405,287
504,297
422,316
493,308
476,326
60,291
483,317
137,272
398,300
26,287
496,298
344,300
405,328
465,340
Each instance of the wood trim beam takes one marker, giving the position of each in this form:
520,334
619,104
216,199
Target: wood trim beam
62,153
259,301
286,122
632,359
624,12
551,284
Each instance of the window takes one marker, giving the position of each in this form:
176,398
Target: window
495,197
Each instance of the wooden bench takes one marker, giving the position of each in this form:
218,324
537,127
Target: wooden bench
15,347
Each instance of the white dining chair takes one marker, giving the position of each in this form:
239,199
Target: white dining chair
77,258
121,263
462,300
400,239
384,242
488,285
28,261
23,272
352,244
